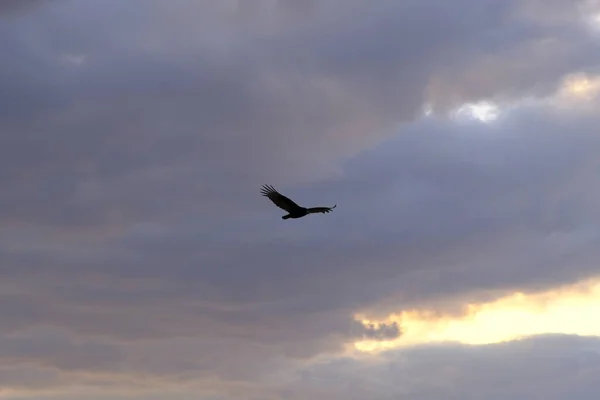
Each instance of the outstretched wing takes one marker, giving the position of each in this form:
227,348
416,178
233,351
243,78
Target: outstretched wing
323,210
278,199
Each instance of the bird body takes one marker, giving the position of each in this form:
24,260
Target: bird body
293,209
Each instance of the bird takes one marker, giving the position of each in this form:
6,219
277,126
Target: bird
293,209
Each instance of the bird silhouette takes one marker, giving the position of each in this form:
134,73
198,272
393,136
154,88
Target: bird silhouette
293,209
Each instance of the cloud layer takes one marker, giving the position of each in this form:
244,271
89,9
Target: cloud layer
135,246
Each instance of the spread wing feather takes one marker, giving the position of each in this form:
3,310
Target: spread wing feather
323,210
278,199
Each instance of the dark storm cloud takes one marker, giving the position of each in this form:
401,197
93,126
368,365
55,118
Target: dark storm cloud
135,137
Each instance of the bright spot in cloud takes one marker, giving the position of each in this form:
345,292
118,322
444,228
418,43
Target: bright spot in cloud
580,86
484,111
567,310
592,21
578,92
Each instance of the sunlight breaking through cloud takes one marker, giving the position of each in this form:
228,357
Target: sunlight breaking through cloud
580,87
483,111
567,310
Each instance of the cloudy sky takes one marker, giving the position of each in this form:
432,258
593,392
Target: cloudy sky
459,140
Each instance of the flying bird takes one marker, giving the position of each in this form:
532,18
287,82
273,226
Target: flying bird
293,209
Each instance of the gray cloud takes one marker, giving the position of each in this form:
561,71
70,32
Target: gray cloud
379,331
552,367
131,158
57,350
11,6
302,99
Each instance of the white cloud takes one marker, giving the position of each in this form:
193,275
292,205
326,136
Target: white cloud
483,111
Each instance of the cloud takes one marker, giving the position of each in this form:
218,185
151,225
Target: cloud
511,317
130,216
11,6
303,99
57,350
549,367
379,331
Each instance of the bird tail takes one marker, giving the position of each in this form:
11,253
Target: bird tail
314,210
285,216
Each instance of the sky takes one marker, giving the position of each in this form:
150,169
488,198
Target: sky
459,140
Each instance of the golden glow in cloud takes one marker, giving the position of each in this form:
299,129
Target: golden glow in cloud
581,86
578,91
566,310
